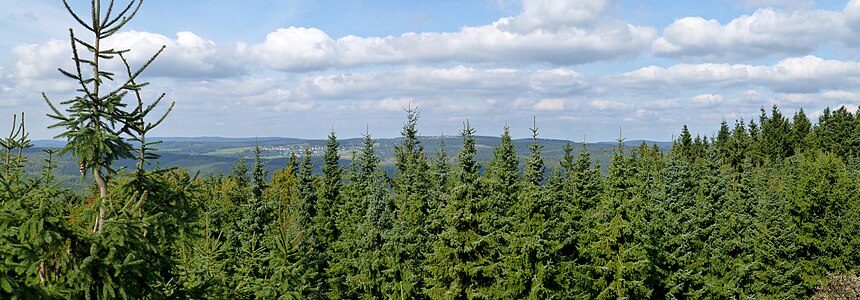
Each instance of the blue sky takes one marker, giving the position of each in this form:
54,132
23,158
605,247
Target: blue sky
584,68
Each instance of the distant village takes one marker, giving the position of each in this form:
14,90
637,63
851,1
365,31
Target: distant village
316,149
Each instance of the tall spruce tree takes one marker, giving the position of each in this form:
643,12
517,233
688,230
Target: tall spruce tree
801,128
502,175
99,120
458,266
775,135
618,265
324,221
530,269
408,244
370,217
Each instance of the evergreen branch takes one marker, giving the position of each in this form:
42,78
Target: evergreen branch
110,31
69,8
69,74
58,114
96,9
77,60
151,106
107,15
87,45
140,70
152,125
122,13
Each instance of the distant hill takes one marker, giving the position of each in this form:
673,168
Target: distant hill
218,154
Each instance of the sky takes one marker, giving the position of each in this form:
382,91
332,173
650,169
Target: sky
581,69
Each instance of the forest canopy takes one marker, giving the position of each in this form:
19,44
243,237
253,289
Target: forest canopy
765,208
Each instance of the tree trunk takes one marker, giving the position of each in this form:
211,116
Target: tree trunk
103,199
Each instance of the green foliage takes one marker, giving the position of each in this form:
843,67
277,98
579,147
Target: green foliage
459,267
409,241
763,210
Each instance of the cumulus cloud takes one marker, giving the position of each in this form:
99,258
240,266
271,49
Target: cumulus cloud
388,104
557,32
187,55
558,14
797,74
707,100
767,31
841,95
602,104
35,60
547,104
458,81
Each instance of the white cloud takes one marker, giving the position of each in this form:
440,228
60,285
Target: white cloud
663,104
185,56
707,100
798,74
550,104
294,48
389,104
841,95
558,14
602,104
556,81
794,98
453,82
546,104
557,32
765,32
34,60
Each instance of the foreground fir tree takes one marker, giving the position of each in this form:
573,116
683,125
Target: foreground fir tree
531,261
459,266
131,224
503,184
99,119
371,230
616,257
324,221
350,215
408,244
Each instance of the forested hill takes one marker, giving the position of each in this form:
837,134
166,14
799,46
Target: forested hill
218,154
767,209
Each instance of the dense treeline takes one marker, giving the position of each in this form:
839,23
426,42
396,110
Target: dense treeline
770,208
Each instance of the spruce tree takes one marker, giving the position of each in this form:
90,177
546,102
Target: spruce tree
614,249
684,144
408,244
502,175
834,132
371,218
459,265
775,136
99,120
346,277
801,128
328,202
530,269
440,173
722,141
585,180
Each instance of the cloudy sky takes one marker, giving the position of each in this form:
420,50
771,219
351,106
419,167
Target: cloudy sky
583,68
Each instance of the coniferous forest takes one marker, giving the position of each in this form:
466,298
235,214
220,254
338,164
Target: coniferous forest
765,208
